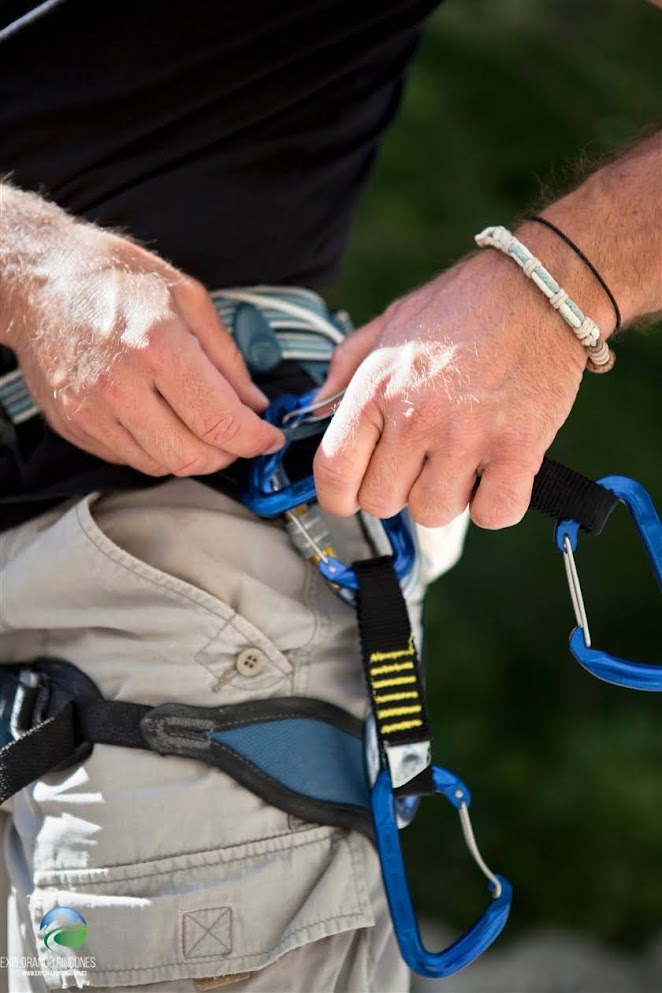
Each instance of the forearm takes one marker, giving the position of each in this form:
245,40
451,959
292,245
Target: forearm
615,218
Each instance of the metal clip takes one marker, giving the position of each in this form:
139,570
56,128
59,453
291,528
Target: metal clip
610,668
271,494
479,937
29,703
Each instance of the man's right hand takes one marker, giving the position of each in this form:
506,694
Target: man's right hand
124,355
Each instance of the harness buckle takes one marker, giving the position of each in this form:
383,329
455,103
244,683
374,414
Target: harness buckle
30,704
610,668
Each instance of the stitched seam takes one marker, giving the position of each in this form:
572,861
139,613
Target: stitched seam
204,665
309,599
248,956
207,931
135,568
69,875
310,580
127,562
291,934
362,897
272,717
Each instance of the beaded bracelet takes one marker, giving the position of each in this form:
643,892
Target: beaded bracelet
600,356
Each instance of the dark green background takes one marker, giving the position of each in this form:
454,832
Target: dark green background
503,100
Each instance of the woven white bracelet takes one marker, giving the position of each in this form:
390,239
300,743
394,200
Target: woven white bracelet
600,356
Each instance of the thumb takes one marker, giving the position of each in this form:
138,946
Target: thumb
348,356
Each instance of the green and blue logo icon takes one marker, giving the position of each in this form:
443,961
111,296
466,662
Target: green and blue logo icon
63,926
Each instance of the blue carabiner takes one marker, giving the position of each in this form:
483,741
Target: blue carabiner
271,494
610,668
434,965
400,535
267,495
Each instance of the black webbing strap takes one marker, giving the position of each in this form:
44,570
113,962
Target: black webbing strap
112,722
560,492
36,752
55,741
302,755
392,669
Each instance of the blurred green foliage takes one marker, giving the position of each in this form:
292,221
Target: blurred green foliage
503,101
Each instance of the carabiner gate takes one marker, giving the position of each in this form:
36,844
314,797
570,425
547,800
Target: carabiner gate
610,668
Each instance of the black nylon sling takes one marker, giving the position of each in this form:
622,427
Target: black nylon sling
563,493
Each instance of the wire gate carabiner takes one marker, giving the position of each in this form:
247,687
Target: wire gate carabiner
399,759
434,965
610,668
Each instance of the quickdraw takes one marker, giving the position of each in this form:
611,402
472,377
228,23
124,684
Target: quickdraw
398,735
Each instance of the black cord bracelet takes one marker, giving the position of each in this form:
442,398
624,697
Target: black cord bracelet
578,251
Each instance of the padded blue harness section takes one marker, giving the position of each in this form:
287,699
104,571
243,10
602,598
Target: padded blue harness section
305,755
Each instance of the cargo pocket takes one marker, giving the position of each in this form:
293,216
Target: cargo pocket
205,914
177,870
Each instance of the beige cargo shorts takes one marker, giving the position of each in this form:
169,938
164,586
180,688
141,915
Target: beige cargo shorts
186,880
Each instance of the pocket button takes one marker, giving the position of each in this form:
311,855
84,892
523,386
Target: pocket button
250,662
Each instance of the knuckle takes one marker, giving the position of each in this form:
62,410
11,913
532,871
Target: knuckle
154,470
100,381
70,408
379,507
151,467
187,463
376,379
193,288
331,475
200,463
434,506
416,421
501,506
432,514
334,472
221,431
153,351
522,448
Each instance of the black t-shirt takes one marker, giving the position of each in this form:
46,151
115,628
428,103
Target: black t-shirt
231,137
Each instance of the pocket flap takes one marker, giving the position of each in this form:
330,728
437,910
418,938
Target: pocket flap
205,914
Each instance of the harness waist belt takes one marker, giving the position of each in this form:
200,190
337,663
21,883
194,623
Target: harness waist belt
304,756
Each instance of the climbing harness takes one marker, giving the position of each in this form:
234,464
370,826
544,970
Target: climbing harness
304,756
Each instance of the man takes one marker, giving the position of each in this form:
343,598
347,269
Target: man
234,142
